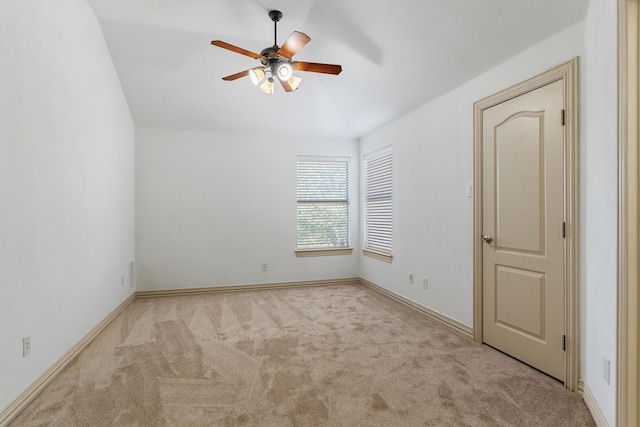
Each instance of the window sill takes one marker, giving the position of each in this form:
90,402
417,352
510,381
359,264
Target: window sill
379,255
323,252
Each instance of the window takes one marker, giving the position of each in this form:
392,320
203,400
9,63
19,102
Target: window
378,204
323,206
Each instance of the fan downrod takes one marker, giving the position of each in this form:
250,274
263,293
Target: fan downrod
275,16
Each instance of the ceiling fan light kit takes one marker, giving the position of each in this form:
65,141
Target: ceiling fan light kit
276,61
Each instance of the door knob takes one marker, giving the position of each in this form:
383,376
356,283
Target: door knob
486,238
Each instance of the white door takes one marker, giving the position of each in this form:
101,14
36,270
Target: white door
523,228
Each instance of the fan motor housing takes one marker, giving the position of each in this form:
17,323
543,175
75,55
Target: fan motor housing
270,55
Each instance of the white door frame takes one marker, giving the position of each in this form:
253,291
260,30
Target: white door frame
568,73
628,362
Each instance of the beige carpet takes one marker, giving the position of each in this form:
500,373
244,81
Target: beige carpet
318,356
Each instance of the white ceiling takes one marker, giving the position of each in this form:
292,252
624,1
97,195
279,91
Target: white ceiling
396,55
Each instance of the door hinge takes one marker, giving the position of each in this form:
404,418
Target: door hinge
564,114
564,343
564,230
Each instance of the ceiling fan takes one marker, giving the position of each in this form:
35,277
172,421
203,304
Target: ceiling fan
277,61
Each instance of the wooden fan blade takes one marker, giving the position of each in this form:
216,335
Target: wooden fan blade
235,49
236,75
314,67
285,85
294,43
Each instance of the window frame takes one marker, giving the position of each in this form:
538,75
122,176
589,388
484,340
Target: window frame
328,250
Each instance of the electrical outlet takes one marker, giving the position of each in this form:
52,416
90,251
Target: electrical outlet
410,277
469,190
122,280
606,370
425,282
265,266
26,346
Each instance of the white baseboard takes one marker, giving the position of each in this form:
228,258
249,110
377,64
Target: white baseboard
244,288
424,310
592,404
9,412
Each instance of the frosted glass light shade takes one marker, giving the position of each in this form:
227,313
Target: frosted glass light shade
285,71
256,75
294,82
268,86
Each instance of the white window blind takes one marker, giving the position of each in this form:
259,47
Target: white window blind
323,202
378,200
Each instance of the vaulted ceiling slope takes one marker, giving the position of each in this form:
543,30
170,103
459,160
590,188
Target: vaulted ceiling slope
396,55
